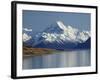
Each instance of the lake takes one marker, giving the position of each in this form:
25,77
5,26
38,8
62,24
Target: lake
62,59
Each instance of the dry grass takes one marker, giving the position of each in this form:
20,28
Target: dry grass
36,51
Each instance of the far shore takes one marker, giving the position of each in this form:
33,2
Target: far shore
27,51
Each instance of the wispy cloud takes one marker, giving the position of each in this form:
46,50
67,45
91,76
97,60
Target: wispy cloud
27,29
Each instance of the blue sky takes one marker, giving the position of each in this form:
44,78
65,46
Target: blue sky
39,20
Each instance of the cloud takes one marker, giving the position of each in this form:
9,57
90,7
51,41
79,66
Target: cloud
26,29
26,37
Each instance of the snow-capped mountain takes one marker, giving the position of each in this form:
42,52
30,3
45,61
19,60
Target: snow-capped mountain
60,36
59,32
26,37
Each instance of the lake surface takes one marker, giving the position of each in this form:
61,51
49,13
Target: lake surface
75,58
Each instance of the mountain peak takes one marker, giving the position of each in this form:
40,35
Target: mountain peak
61,25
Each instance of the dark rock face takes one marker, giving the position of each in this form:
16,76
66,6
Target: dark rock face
85,45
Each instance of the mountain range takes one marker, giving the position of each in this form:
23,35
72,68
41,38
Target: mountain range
58,36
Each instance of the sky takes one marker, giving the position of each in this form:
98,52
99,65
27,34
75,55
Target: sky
37,21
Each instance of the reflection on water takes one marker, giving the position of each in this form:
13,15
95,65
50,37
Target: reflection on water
57,60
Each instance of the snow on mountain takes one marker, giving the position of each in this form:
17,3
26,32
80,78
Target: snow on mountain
58,36
84,45
54,28
83,36
26,37
60,33
61,25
